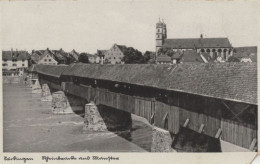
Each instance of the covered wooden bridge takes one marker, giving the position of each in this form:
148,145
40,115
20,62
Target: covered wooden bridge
216,99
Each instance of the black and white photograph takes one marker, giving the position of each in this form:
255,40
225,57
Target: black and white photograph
129,76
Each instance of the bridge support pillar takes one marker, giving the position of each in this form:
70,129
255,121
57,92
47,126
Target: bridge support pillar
93,120
46,93
161,141
60,103
36,87
103,118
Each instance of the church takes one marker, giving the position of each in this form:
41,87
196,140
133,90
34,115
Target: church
215,47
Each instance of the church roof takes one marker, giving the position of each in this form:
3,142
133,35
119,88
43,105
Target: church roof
191,43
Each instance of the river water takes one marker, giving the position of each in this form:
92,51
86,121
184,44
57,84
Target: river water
29,126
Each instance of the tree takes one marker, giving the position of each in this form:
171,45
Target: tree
233,59
148,56
165,51
83,58
133,56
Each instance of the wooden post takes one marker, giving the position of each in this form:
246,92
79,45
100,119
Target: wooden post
252,146
165,121
218,133
186,123
201,128
152,119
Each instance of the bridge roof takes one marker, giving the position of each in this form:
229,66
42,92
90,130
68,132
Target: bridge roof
51,70
229,81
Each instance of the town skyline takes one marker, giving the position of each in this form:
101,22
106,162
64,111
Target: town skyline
85,29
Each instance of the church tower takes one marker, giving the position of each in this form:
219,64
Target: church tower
161,34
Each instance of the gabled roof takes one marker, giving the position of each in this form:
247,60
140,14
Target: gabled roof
51,70
191,43
75,54
228,81
122,48
15,55
191,56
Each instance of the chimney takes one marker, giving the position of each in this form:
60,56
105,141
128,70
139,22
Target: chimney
201,36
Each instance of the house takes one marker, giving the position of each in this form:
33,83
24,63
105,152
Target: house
215,47
43,57
94,58
101,54
184,57
164,59
59,56
246,54
75,54
14,63
176,57
115,54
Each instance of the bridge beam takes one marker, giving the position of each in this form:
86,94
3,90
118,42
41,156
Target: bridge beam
161,141
46,93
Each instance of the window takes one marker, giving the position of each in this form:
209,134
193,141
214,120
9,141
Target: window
49,59
23,60
14,64
22,64
45,60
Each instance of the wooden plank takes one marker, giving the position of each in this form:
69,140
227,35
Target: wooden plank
186,123
253,144
201,128
218,133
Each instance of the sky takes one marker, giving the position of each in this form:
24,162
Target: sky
90,25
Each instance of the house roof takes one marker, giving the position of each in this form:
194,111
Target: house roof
246,52
101,52
123,48
51,70
75,54
228,81
191,56
17,55
191,43
249,49
177,55
164,58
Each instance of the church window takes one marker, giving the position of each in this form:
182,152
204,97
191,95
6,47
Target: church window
202,50
208,50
